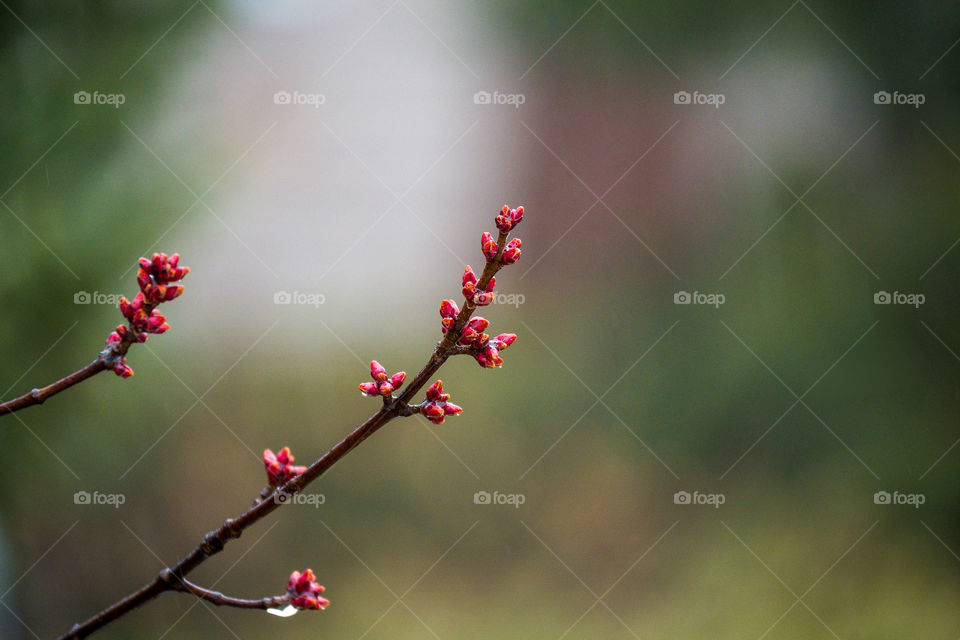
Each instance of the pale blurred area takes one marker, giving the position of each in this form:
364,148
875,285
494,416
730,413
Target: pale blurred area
324,232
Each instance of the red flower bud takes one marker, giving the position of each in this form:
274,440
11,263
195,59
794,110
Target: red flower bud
304,592
478,324
433,412
509,218
435,408
447,324
504,340
121,369
449,309
435,390
381,386
512,251
126,309
489,246
280,467
451,409
483,299
173,292
143,278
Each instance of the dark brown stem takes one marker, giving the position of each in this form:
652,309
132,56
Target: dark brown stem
221,600
106,360
214,541
37,396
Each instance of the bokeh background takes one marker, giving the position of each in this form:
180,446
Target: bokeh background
798,200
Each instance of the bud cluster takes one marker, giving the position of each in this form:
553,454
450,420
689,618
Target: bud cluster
470,292
154,278
280,467
381,385
437,406
304,592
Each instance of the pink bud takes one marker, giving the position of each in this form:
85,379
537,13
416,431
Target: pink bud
369,388
449,309
483,299
468,335
125,308
385,388
504,340
113,337
174,292
143,278
397,379
433,412
435,390
175,258
489,246
377,371
478,324
468,275
145,264
122,370
491,285
447,323
451,409
155,322
512,251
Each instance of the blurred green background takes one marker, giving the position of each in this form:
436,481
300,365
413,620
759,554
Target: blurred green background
799,199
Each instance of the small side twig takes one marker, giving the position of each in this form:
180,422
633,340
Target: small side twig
154,278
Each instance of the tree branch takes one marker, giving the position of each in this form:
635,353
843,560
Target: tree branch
214,541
